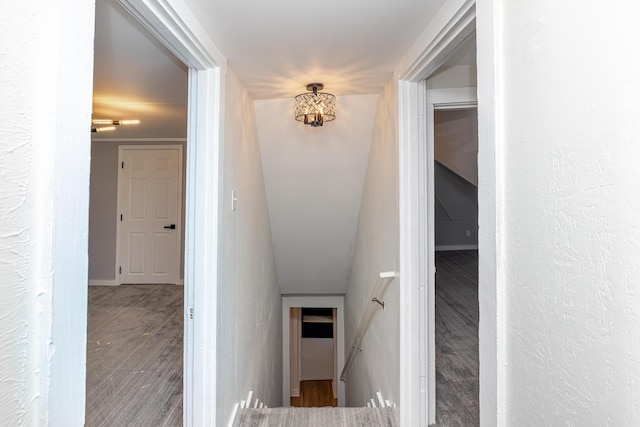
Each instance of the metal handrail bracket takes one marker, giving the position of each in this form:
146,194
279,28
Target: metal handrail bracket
375,303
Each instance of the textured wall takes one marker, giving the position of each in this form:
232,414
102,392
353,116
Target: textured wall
570,225
376,368
44,198
249,305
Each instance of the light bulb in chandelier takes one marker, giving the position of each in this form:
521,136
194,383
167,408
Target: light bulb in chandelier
315,108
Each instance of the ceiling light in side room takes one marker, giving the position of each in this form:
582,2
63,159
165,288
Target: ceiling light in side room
315,108
103,129
126,122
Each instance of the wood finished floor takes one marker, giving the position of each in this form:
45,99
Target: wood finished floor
457,381
134,356
315,394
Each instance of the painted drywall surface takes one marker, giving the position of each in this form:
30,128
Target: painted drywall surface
314,179
103,207
316,359
570,144
376,368
249,302
44,196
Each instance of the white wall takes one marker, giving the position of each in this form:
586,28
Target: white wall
316,359
376,368
568,142
249,304
314,180
44,198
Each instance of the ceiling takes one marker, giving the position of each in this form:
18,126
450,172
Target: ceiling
275,49
136,77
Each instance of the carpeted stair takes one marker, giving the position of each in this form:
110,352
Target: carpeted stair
315,417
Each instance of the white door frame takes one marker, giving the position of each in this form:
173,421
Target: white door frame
179,229
453,24
436,100
173,24
316,301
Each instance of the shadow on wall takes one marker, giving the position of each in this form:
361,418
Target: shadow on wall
456,211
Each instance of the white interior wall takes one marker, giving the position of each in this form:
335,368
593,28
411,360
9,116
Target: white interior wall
314,180
316,359
249,302
569,142
376,368
44,199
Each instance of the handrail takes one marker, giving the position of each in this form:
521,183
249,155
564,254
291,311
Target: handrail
374,304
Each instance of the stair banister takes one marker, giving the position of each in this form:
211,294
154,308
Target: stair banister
373,305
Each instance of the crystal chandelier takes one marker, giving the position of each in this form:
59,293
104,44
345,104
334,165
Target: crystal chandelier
315,108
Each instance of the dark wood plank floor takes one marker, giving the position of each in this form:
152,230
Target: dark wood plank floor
134,356
457,381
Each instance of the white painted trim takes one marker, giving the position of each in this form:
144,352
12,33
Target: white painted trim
179,30
320,301
103,283
453,98
139,140
491,274
456,247
453,24
119,202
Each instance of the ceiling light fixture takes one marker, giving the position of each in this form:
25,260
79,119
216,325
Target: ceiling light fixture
108,124
315,108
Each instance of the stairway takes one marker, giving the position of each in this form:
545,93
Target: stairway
315,417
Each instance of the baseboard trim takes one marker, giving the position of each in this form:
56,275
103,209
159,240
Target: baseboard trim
456,247
103,283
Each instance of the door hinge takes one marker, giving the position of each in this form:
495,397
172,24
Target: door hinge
120,270
120,217
122,167
191,313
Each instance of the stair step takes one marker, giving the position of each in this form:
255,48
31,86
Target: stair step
315,417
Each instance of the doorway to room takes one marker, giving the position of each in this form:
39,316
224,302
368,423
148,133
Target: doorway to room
135,329
312,350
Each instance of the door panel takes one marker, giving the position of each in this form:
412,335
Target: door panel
149,200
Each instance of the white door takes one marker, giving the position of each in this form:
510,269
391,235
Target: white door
149,208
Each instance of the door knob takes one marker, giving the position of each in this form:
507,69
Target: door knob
170,227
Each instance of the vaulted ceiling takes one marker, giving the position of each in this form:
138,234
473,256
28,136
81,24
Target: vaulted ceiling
275,49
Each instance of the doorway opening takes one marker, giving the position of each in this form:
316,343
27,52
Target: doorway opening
313,350
135,322
165,28
452,243
456,264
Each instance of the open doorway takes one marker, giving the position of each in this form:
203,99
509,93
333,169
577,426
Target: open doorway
315,356
136,303
452,240
313,350
456,262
